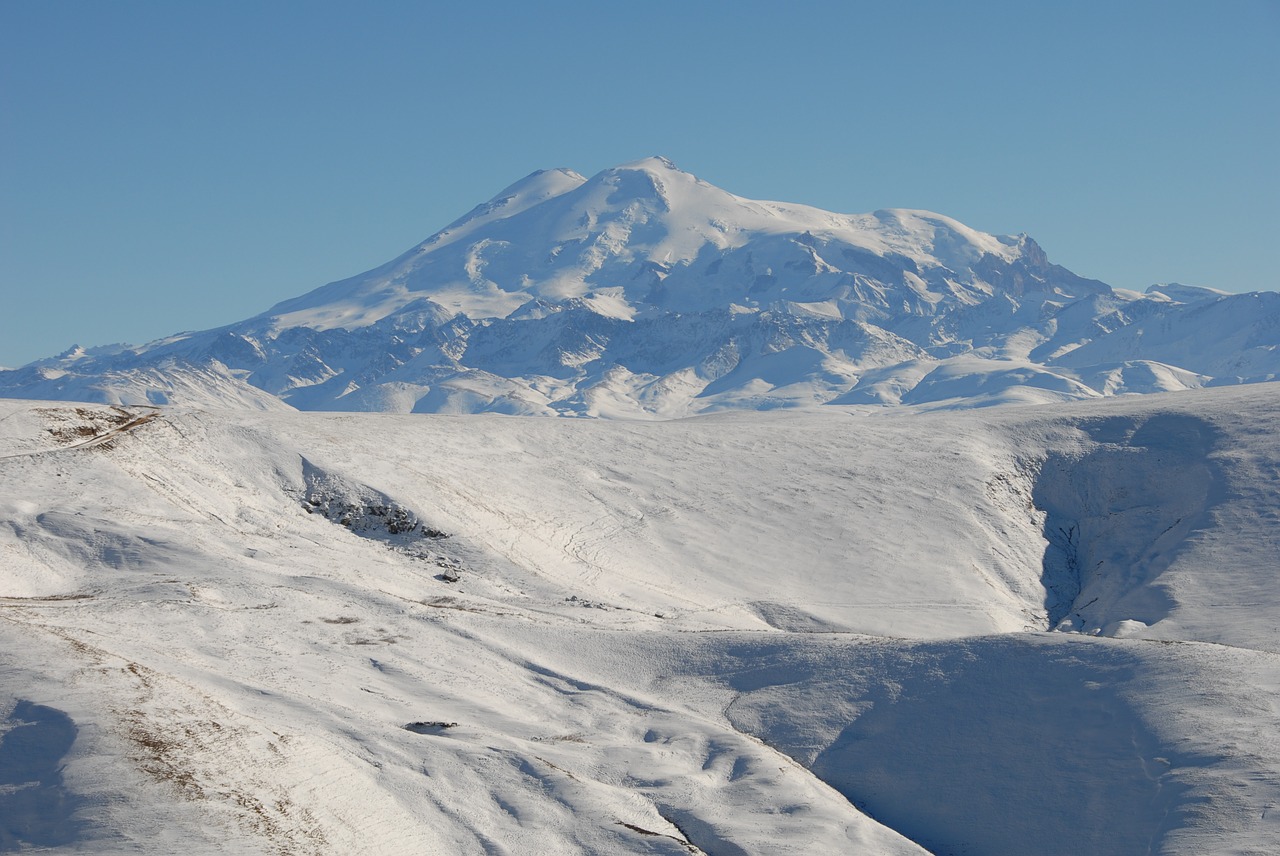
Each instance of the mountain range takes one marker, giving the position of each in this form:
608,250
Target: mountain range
645,292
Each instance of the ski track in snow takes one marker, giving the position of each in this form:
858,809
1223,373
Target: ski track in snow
821,631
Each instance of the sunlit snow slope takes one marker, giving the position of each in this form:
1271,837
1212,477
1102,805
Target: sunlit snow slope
645,292
843,630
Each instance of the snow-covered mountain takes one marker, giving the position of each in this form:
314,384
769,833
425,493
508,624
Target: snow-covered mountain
644,291
836,630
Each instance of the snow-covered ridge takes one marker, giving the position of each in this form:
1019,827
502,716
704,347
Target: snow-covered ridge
645,292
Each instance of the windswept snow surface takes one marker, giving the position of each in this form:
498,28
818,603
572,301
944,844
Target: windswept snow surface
644,292
836,630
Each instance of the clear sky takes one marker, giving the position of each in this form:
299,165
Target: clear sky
168,166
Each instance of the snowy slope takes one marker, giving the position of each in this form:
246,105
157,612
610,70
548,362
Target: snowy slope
847,629
645,292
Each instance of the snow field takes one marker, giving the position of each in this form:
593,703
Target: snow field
809,632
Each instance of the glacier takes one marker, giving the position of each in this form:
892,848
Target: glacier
644,292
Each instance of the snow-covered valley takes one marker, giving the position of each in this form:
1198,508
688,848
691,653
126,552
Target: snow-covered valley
825,630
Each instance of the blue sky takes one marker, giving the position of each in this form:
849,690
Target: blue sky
167,166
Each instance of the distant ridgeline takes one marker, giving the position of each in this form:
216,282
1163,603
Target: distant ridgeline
646,292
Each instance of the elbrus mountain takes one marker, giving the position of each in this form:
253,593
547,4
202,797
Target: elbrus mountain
646,292
821,629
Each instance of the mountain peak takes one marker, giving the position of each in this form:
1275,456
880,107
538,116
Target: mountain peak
543,183
1181,293
653,163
